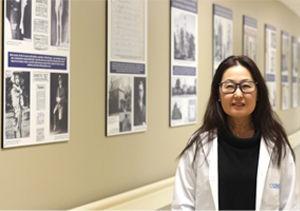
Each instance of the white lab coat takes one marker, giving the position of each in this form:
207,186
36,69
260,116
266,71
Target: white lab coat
196,187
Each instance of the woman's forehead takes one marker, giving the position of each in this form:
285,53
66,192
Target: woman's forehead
237,73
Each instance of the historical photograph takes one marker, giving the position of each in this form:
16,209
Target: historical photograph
250,43
119,95
184,86
176,110
139,101
284,53
18,19
218,39
192,110
60,23
184,32
59,103
125,121
17,105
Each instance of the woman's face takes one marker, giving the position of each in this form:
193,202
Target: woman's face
238,105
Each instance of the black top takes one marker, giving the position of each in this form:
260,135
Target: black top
237,167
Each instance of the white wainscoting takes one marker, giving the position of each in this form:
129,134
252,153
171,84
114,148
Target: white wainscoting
159,194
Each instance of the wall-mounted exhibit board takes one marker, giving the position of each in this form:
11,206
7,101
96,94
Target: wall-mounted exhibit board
298,71
285,67
126,67
184,62
270,62
91,165
35,72
295,70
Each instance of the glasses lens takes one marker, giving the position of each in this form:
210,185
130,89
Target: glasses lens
248,86
228,87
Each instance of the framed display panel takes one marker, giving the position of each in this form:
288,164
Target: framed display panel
184,62
36,72
270,62
295,69
285,62
298,71
250,37
222,35
126,92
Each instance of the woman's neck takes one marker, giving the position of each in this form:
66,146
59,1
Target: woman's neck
242,128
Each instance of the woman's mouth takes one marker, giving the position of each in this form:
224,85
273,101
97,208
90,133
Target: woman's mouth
238,105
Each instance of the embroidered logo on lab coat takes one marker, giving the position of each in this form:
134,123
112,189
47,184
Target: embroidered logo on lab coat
274,186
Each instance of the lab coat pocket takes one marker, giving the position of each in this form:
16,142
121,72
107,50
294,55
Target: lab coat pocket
272,188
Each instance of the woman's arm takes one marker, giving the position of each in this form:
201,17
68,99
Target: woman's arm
289,194
185,181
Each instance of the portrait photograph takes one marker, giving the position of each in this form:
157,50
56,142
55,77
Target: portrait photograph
60,23
18,20
139,101
17,105
59,105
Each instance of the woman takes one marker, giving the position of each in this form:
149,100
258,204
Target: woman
240,158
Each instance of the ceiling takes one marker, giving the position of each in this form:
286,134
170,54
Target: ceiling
293,5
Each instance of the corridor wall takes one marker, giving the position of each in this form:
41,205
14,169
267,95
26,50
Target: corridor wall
91,166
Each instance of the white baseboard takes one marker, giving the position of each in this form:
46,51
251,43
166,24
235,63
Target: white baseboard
150,197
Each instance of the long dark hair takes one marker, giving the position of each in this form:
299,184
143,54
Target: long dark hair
263,116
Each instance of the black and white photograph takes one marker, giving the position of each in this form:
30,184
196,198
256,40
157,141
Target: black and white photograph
125,122
18,20
139,101
176,110
284,52
218,40
184,86
295,68
285,62
60,23
119,95
184,32
270,62
17,105
250,37
222,35
222,39
59,103
192,110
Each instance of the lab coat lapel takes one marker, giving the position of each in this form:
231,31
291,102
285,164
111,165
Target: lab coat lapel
213,172
263,164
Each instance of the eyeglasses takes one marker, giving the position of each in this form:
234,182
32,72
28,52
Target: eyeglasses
245,86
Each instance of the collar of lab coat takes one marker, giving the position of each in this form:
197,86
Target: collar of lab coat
263,163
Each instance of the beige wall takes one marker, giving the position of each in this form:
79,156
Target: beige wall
91,166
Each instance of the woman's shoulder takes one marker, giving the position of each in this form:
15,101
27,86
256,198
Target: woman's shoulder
199,140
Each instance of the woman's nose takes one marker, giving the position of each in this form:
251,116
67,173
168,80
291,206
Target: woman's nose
238,91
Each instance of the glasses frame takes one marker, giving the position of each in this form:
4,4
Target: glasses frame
236,85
